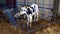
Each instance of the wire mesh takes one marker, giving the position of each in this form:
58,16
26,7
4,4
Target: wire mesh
44,6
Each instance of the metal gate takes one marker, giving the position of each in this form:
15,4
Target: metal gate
45,6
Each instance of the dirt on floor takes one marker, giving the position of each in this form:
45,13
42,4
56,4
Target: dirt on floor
47,28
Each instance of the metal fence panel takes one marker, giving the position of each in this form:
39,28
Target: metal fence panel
44,6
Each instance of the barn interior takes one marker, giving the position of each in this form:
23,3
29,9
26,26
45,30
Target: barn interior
48,17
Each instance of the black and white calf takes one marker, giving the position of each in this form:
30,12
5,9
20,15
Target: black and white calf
29,11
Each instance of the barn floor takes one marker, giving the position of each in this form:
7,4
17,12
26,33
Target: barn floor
47,28
42,27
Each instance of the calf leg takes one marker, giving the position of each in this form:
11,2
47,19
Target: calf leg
30,20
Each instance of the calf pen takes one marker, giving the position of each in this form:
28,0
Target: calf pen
47,11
